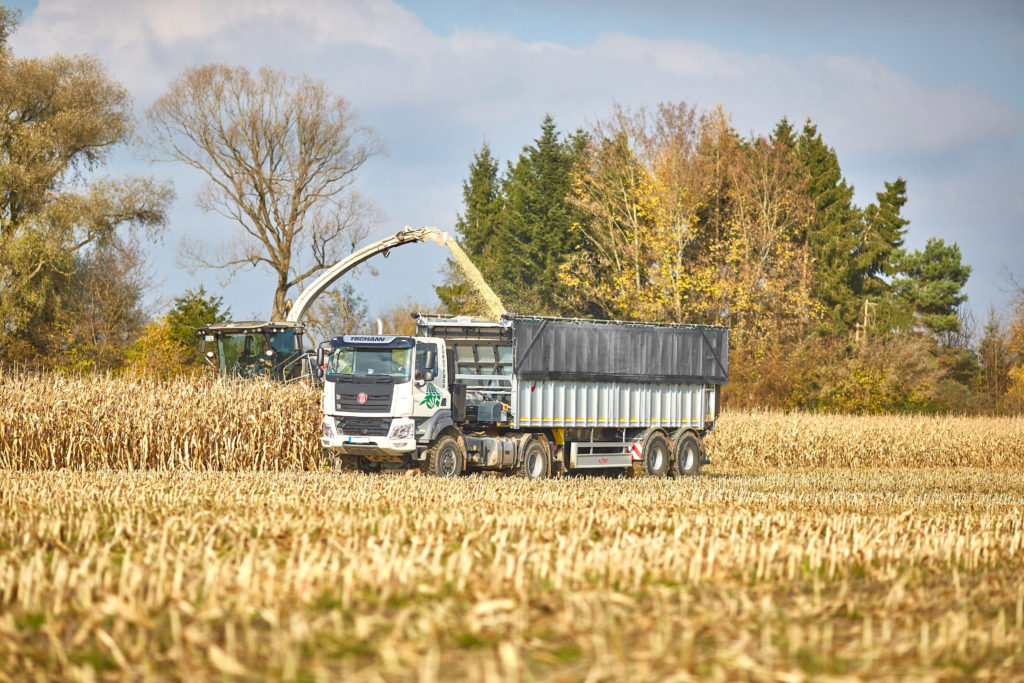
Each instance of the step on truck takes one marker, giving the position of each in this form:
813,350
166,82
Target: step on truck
527,394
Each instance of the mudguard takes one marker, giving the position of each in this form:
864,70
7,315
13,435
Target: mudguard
428,430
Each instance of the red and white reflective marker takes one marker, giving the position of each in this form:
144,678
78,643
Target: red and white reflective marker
635,450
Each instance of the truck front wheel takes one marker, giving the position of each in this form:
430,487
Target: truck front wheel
445,458
536,460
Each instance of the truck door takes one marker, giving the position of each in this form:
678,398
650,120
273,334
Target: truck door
429,395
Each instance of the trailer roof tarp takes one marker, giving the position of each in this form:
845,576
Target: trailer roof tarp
551,348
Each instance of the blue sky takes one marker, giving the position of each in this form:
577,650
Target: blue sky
931,91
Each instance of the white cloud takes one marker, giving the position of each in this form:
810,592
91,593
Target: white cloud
380,54
146,43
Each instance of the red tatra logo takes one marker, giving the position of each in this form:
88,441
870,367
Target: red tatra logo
361,398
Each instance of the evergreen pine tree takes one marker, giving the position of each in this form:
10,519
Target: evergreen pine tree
480,224
884,229
784,133
479,228
931,282
190,311
538,234
834,233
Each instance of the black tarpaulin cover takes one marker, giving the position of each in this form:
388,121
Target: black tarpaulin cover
558,349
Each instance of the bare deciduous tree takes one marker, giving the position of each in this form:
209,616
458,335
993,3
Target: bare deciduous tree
280,154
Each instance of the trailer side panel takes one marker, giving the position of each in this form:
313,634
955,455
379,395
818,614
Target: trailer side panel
559,403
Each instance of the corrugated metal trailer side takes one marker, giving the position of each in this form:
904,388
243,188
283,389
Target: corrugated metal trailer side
585,373
567,404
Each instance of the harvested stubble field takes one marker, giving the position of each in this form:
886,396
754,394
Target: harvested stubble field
802,554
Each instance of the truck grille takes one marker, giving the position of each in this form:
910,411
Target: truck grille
378,398
364,426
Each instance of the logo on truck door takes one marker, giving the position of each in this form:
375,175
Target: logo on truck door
432,399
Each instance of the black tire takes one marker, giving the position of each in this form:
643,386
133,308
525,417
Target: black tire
445,457
536,462
655,456
687,455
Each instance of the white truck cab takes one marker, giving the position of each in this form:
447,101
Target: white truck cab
379,391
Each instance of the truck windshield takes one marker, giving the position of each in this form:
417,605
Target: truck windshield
350,362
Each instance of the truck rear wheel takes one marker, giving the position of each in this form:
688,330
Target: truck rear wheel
536,460
654,459
445,458
687,455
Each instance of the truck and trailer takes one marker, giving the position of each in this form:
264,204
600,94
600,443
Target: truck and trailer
527,394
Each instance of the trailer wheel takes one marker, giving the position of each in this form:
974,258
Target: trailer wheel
445,458
687,455
654,460
536,460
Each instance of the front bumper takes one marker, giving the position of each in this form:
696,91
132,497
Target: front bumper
368,446
399,440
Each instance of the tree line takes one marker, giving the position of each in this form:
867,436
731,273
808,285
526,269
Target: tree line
669,214
663,214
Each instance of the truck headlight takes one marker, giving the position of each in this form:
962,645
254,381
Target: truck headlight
402,429
328,427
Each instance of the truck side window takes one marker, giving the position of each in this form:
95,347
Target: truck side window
421,359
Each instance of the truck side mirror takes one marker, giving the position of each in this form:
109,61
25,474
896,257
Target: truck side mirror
319,356
430,358
428,375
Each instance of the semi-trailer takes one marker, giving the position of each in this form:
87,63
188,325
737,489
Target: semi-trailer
533,395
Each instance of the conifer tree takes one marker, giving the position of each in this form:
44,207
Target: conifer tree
479,228
834,233
784,133
931,282
537,235
190,311
480,225
884,229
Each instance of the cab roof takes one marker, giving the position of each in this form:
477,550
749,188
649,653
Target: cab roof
250,327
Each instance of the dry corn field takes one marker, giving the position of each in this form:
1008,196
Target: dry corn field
813,548
91,424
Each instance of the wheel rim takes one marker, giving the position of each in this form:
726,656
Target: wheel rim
534,465
688,458
447,462
657,458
